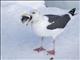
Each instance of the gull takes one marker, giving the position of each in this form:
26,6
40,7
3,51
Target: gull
47,25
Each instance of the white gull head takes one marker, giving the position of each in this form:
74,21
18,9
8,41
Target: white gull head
29,17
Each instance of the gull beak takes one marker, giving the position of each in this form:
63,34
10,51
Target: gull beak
26,18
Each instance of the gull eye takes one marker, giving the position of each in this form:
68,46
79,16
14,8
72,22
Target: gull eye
33,12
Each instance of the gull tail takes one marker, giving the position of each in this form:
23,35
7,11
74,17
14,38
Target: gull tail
72,12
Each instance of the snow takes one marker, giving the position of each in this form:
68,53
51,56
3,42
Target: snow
18,41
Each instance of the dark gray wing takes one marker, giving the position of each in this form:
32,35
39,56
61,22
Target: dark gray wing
59,22
52,17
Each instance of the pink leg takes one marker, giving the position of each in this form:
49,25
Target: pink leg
41,47
52,52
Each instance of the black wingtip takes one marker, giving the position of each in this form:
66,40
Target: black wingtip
72,12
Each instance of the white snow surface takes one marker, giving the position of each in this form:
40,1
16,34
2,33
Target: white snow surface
18,41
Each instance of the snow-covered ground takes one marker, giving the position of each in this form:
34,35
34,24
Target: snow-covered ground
18,41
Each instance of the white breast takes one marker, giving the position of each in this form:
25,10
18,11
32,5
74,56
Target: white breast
40,28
